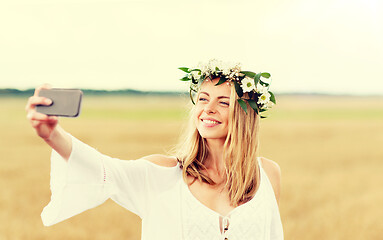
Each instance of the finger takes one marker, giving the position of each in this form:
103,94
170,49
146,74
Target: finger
35,123
52,119
36,116
44,86
35,100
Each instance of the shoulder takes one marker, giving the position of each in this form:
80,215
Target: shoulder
273,172
161,160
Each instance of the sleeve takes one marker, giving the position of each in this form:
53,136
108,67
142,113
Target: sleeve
89,178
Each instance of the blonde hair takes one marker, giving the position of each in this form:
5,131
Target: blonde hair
240,153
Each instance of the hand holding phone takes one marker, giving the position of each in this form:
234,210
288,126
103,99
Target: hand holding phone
65,102
47,127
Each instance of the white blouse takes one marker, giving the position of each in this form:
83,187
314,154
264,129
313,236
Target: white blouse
158,195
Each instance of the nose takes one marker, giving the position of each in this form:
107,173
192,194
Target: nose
210,107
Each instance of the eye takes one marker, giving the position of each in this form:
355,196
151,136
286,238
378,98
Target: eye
225,103
202,99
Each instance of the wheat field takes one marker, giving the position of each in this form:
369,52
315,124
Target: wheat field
329,149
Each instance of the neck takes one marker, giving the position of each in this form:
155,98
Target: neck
214,161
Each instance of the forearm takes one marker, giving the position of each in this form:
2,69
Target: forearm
61,142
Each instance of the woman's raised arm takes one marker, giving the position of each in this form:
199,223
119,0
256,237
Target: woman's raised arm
47,126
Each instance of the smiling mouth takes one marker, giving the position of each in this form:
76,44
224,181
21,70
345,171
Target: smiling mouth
210,121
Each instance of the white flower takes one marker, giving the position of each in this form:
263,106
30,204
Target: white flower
261,89
226,69
248,84
267,105
236,67
204,69
196,74
264,98
213,64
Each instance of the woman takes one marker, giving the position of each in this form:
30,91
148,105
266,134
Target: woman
214,187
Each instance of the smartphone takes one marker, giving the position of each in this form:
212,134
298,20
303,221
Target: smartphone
65,102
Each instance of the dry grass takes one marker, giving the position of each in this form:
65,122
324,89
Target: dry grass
329,150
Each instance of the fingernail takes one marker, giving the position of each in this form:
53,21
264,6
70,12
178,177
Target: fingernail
48,101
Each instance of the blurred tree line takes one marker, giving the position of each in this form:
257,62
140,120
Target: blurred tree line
13,92
29,92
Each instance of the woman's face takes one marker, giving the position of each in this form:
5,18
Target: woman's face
212,110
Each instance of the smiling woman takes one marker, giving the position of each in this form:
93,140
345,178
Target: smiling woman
225,133
214,186
212,110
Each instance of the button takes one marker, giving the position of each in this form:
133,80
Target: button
226,224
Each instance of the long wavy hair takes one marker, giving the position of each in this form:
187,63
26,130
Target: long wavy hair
240,153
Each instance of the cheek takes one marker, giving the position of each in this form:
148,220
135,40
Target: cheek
196,115
226,116
198,110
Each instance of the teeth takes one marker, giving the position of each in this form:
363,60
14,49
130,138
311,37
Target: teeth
209,121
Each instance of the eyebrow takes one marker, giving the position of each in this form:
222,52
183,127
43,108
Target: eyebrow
218,97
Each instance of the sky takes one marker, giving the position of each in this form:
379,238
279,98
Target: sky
328,46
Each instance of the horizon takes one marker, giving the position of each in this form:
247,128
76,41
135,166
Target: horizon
130,91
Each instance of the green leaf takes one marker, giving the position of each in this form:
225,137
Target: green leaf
253,105
221,80
185,69
262,110
263,83
191,96
272,97
238,89
249,74
257,78
195,69
263,117
265,75
242,104
217,69
186,78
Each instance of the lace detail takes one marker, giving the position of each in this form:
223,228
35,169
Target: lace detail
251,222
197,223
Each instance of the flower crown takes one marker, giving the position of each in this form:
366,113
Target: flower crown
255,84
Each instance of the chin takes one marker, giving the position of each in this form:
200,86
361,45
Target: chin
212,135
